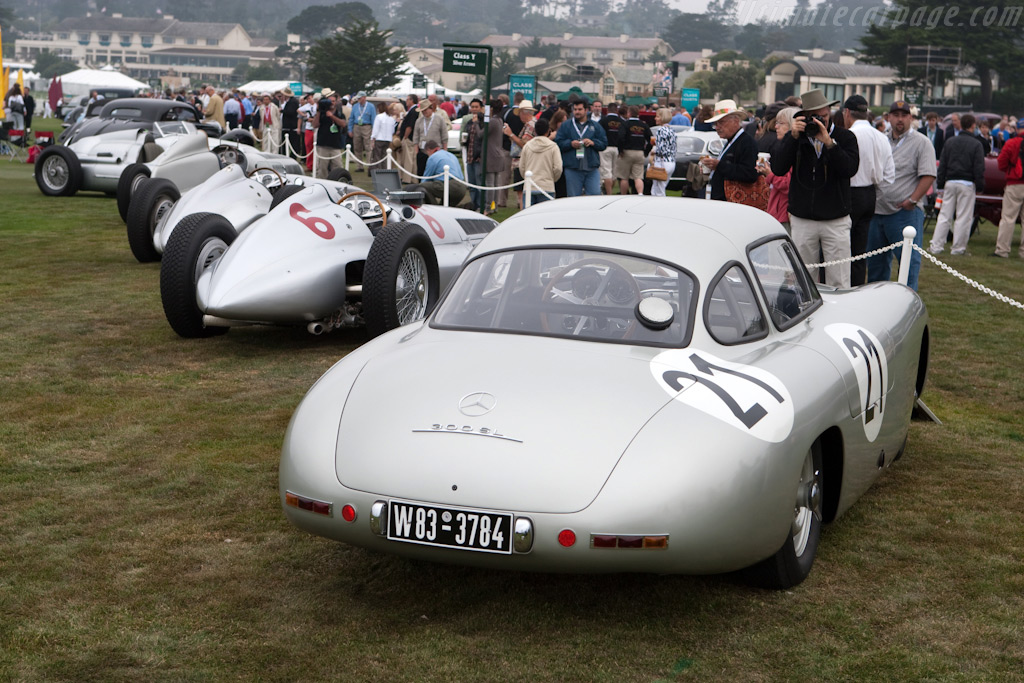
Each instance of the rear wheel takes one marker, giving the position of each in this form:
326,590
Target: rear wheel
152,201
196,243
791,564
127,185
58,172
400,280
340,175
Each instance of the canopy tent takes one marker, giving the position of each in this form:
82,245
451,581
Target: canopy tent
639,101
272,87
578,92
79,83
404,86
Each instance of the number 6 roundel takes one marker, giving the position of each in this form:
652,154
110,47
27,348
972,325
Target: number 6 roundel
318,225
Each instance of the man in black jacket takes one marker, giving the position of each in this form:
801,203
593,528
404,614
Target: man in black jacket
738,160
961,172
823,159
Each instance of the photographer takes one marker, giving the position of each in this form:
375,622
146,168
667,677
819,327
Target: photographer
823,159
331,136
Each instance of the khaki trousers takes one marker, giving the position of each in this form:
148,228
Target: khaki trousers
1013,211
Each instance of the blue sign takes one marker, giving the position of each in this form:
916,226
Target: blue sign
296,88
690,99
523,83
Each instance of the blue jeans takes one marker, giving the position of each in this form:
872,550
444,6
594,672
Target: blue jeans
538,197
885,230
582,182
473,177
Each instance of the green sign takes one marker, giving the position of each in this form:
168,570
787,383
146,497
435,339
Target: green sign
523,83
296,88
660,92
439,91
419,81
690,99
465,60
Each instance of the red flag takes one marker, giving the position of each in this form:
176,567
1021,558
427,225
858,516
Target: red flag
55,92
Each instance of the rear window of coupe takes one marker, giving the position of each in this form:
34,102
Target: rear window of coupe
571,293
126,113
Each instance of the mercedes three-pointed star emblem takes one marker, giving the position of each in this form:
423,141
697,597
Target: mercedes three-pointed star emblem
477,404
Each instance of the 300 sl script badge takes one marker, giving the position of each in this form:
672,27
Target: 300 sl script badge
743,396
453,428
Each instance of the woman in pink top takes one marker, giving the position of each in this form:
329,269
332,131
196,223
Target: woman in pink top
778,195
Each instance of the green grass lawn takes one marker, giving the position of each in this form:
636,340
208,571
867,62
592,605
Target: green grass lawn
141,536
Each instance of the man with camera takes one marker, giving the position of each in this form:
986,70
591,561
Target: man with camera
823,159
331,135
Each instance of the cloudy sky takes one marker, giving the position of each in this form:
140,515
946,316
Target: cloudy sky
745,8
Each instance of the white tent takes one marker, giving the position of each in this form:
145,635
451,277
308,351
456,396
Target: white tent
79,83
271,86
404,86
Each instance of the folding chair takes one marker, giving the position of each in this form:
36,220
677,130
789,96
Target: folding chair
12,144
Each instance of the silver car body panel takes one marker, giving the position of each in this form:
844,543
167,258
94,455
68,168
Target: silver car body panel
590,436
280,270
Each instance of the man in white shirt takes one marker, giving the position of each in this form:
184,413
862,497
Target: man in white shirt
876,169
306,113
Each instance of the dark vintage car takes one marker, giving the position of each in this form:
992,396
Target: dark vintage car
135,113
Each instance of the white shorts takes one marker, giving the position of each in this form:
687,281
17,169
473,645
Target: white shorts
609,158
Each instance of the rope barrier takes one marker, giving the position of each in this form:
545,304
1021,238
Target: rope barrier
973,283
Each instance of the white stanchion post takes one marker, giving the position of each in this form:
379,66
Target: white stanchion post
527,189
348,155
447,181
314,156
909,233
389,153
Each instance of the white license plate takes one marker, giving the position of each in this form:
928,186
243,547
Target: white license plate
488,532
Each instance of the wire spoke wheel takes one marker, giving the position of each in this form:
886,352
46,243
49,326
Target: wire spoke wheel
412,287
56,173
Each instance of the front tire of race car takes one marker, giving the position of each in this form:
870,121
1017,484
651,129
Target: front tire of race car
400,279
340,175
128,185
196,243
151,202
792,563
58,172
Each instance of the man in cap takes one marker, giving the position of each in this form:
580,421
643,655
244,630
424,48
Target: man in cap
738,159
428,127
876,169
899,205
360,126
823,158
290,122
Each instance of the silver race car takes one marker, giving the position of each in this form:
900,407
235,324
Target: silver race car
321,255
632,384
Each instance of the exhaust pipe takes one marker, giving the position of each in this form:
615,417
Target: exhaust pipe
315,328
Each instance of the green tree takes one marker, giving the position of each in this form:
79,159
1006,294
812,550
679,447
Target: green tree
6,17
422,23
358,59
503,65
49,65
696,32
535,48
317,21
987,31
735,82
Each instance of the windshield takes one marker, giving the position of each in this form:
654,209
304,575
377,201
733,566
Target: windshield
165,128
580,294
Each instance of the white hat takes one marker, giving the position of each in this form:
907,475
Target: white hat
724,108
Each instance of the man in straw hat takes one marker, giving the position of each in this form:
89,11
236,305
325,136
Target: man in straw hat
738,160
823,159
526,112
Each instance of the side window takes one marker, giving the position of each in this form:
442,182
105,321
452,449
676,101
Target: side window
731,312
787,289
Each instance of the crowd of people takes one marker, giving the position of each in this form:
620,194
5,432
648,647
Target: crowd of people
841,181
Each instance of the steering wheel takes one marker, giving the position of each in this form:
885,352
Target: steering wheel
589,287
364,193
280,178
227,154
